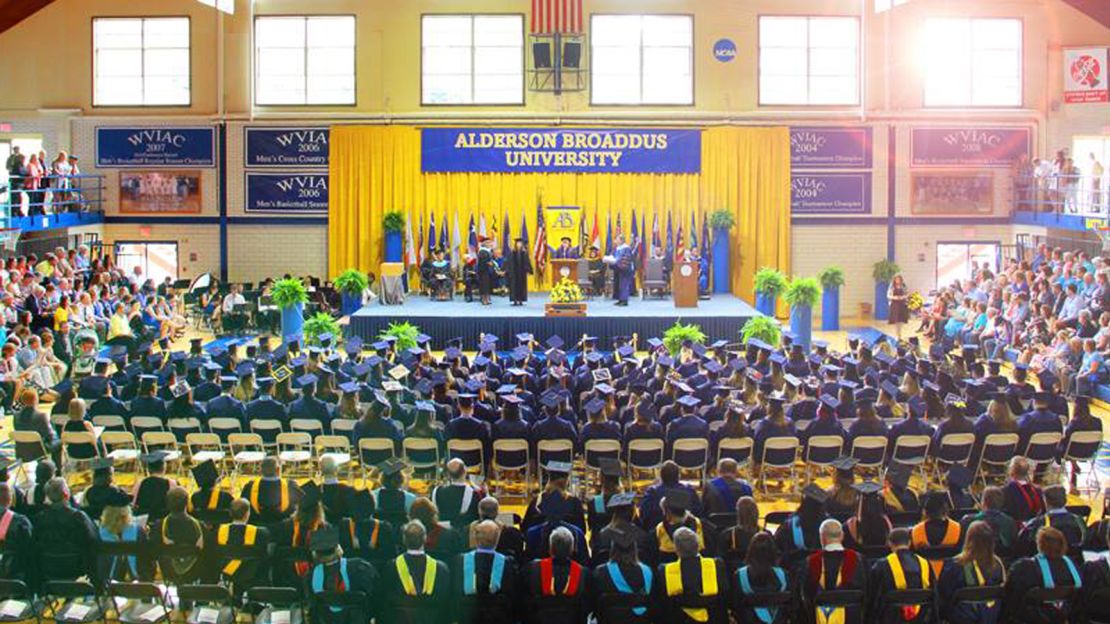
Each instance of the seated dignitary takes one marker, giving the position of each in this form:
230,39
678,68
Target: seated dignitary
976,566
1056,516
760,574
900,570
272,497
556,586
510,541
331,574
1023,499
693,588
799,534
457,500
64,537
16,547
415,588
484,581
242,560
833,568
622,587
1049,568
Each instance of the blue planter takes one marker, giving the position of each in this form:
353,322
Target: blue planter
830,309
801,324
722,273
350,304
292,321
394,247
882,306
765,304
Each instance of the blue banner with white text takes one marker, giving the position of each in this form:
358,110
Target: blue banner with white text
267,146
830,147
155,146
830,193
289,193
560,150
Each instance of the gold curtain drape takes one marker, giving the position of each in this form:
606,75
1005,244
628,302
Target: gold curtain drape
376,169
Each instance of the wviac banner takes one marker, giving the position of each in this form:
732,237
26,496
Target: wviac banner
286,147
293,193
830,193
827,147
969,147
155,146
559,150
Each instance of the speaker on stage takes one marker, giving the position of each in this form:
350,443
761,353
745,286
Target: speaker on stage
572,54
541,55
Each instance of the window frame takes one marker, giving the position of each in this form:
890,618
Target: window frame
255,64
92,63
759,63
1021,68
473,47
693,61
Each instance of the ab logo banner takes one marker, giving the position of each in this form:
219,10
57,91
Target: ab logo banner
562,222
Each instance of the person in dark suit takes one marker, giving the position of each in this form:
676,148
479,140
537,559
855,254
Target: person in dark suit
484,581
272,497
486,270
556,587
17,550
64,537
1056,516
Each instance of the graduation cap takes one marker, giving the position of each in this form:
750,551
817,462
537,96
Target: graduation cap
866,395
154,457
959,476
594,406
665,361
621,500
426,406
380,345
626,351
714,367
423,339
99,464
97,384
1047,378
556,357
1043,397
601,375
353,346
392,386
424,386
792,380
391,466
814,493
605,389
720,344
205,474
847,384
756,343
890,388
551,399
609,467
594,357
737,364
524,338
899,474
325,339
473,385
929,385
689,401
306,380
778,359
415,351
227,382
654,343
867,488
829,401
555,468
677,500
265,383
324,539
282,373
698,348
512,399
374,360
845,463
351,387
399,372
884,358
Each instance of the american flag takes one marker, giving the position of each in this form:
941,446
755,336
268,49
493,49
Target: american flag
539,249
556,16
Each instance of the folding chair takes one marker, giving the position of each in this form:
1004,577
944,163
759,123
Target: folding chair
224,427
895,600
644,455
1041,596
374,451
977,595
182,427
335,447
775,519
912,451
162,441
870,452
246,450
510,455
295,452
1042,448
79,602
1083,446
110,423
421,454
471,452
311,426
212,604
204,447
17,602
737,449
998,450
553,450
821,452
343,426
278,604
594,450
146,604
691,455
269,429
954,448
341,604
779,454
142,424
840,598
77,438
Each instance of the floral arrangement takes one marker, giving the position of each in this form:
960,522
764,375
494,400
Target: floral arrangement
831,277
566,291
393,221
915,301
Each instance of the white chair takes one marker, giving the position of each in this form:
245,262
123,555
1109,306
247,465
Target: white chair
182,427
141,424
821,452
870,452
645,455
510,455
373,451
269,429
1042,448
1083,447
422,454
954,448
246,450
737,449
343,426
110,423
912,451
224,427
121,447
553,450
204,447
780,454
77,438
998,450
162,441
295,452
336,447
311,426
691,455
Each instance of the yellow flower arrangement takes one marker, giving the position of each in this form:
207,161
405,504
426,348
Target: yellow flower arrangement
566,291
915,302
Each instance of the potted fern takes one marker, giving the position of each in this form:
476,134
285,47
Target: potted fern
405,333
883,271
351,284
762,328
290,295
676,335
802,294
769,284
393,223
319,324
721,222
831,278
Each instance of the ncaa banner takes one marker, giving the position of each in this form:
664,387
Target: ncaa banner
969,147
267,146
1085,76
830,193
290,193
155,146
562,222
559,150
829,147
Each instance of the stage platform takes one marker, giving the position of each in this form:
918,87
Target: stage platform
721,316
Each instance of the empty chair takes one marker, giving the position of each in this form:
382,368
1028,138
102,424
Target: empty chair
211,604
911,450
1083,446
343,426
110,423
146,603
120,446
373,451
998,450
204,447
870,452
1042,447
780,455
510,455
295,452
247,451
182,427
653,282
594,450
142,424
548,451
279,604
737,449
29,446
821,452
269,430
691,455
954,448
311,426
18,602
335,447
72,601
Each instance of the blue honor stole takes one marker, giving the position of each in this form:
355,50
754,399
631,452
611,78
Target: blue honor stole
623,587
470,577
764,614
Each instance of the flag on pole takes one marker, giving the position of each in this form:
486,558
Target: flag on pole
539,251
595,234
432,234
693,231
482,232
620,226
456,245
443,244
471,238
679,240
582,242
670,237
420,241
609,234
506,238
643,235
524,230
410,244
635,235
705,248
656,242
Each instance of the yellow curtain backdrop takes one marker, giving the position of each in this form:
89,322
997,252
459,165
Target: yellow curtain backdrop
376,169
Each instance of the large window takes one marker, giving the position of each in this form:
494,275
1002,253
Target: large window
304,61
972,62
809,61
642,59
472,59
141,61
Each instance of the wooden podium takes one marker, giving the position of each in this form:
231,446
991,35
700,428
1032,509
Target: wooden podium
684,284
564,267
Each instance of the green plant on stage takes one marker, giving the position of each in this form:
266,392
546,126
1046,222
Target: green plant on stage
770,282
351,282
319,324
288,292
677,334
393,221
566,291
405,333
884,270
762,328
723,219
831,277
802,291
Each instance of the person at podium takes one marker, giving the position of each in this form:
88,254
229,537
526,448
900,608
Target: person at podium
564,251
623,271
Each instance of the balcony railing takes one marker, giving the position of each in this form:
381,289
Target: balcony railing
1079,195
24,196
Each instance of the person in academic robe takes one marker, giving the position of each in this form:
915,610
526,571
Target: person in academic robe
484,581
1023,499
340,499
147,403
1005,530
897,494
732,543
959,480
64,537
392,500
596,270
622,586
869,528
150,491
1058,517
486,270
798,535
272,497
833,568
899,571
443,542
103,491
564,251
1049,568
518,266
676,515
760,574
976,566
937,530
17,549
725,489
842,497
415,588
622,509
558,475
239,550
510,541
178,528
692,588
1041,419
265,406
554,511
556,587
1096,588
598,513
333,573
624,271
308,406
226,405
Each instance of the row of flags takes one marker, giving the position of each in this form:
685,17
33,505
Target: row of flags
419,246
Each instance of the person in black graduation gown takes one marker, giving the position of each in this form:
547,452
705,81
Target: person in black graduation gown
510,541
621,588
692,588
102,492
842,497
209,503
415,588
392,501
331,572
1049,567
441,542
833,568
676,515
17,552
64,537
1058,517
897,494
733,542
1096,589
150,492
869,528
486,270
339,499
760,574
798,535
558,474
622,508
557,587
518,266
226,405
598,513
147,403
484,581
1004,528
900,570
272,497
178,528
976,566
246,567
1023,499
